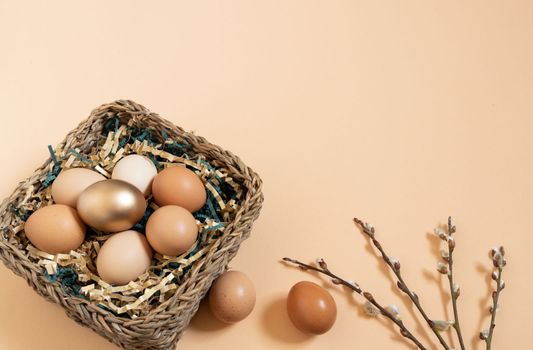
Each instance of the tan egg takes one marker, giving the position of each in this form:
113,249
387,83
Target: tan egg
111,205
70,183
179,186
171,230
55,229
311,308
232,297
137,170
123,257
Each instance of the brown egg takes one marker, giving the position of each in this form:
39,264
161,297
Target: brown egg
232,297
171,230
311,308
179,186
111,205
70,183
123,257
55,229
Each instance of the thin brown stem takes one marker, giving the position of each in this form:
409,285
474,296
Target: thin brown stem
323,269
494,307
395,267
453,292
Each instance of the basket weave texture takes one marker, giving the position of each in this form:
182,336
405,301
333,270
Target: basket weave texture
164,325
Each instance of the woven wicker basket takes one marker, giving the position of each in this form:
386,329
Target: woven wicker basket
162,328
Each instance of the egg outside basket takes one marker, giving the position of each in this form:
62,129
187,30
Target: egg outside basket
163,326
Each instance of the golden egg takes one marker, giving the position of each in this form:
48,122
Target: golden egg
111,205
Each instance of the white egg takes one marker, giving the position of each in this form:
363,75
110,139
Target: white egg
137,170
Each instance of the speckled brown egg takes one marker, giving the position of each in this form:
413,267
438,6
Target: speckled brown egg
311,308
179,186
55,229
232,297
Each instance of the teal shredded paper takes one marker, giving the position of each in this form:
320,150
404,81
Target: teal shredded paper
52,175
23,215
79,156
53,155
56,169
68,278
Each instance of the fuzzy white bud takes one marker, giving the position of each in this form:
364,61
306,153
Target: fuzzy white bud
456,290
442,268
370,309
353,284
394,311
442,326
445,255
369,229
497,308
439,232
484,334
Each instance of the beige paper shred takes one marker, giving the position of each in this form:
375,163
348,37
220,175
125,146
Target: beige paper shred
17,229
108,145
136,298
70,161
118,156
102,171
50,266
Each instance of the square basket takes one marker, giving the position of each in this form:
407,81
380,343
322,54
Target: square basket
163,326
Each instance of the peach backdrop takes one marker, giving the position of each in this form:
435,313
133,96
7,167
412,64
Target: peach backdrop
399,112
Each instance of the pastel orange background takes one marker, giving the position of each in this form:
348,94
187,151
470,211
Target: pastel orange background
399,112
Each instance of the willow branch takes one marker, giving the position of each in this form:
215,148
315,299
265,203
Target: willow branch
323,269
499,262
454,290
395,267
494,309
